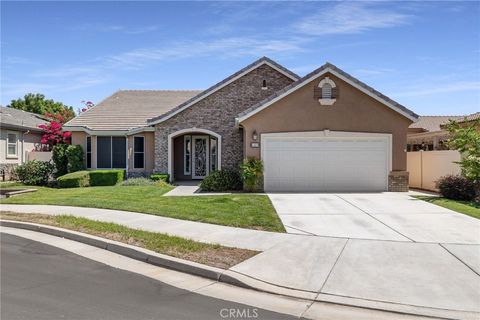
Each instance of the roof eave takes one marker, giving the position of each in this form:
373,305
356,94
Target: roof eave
19,127
94,132
326,69
217,87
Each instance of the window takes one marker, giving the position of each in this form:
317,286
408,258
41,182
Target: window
213,154
187,155
138,152
12,143
89,152
111,153
264,84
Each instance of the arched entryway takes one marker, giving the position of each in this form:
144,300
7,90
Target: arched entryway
193,153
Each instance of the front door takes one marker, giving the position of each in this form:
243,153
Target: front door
200,159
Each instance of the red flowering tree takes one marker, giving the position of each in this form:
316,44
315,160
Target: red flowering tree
52,132
88,105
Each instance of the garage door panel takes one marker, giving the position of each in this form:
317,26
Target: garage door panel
325,164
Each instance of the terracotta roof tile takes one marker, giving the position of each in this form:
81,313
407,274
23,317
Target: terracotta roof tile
128,109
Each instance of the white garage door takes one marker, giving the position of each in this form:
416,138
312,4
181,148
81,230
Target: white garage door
313,162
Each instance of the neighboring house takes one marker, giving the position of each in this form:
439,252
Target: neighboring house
428,133
19,134
326,131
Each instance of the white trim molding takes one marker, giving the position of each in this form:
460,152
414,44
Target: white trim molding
327,101
175,134
7,143
316,76
109,132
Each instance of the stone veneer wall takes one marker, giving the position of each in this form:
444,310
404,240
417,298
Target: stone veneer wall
398,181
217,113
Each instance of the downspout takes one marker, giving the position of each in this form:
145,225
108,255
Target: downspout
23,145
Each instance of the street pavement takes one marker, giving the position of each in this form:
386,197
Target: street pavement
39,281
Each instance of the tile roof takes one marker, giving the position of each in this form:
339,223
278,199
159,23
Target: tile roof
470,117
222,83
432,123
18,119
318,71
435,123
128,109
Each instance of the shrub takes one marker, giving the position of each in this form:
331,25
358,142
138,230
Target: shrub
75,161
59,157
106,177
222,180
466,139
252,170
456,188
35,172
138,182
160,177
74,180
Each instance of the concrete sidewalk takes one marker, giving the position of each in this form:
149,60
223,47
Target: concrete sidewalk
428,278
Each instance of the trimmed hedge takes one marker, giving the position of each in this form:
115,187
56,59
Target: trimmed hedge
106,177
160,177
74,180
222,180
91,178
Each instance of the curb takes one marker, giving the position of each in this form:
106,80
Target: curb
132,252
227,276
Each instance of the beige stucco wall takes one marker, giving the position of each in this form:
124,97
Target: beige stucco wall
426,167
80,139
149,152
353,111
26,143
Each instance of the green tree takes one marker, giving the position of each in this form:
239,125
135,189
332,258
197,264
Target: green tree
36,103
466,139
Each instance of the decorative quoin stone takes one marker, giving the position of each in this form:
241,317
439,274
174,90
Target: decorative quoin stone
217,113
398,181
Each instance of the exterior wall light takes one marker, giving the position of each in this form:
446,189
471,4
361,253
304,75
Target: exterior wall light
254,135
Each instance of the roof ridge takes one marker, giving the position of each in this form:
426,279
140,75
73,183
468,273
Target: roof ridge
257,63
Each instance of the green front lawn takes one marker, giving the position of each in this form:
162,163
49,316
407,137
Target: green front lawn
209,254
238,210
470,208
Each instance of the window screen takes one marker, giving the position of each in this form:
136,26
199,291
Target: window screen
119,152
104,155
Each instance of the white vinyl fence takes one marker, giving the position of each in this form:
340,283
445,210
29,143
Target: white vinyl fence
426,167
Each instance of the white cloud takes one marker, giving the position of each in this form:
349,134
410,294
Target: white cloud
349,18
439,88
117,28
235,46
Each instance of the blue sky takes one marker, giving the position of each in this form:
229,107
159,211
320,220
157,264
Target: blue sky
425,55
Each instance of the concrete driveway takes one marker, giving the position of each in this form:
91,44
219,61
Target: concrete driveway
379,216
